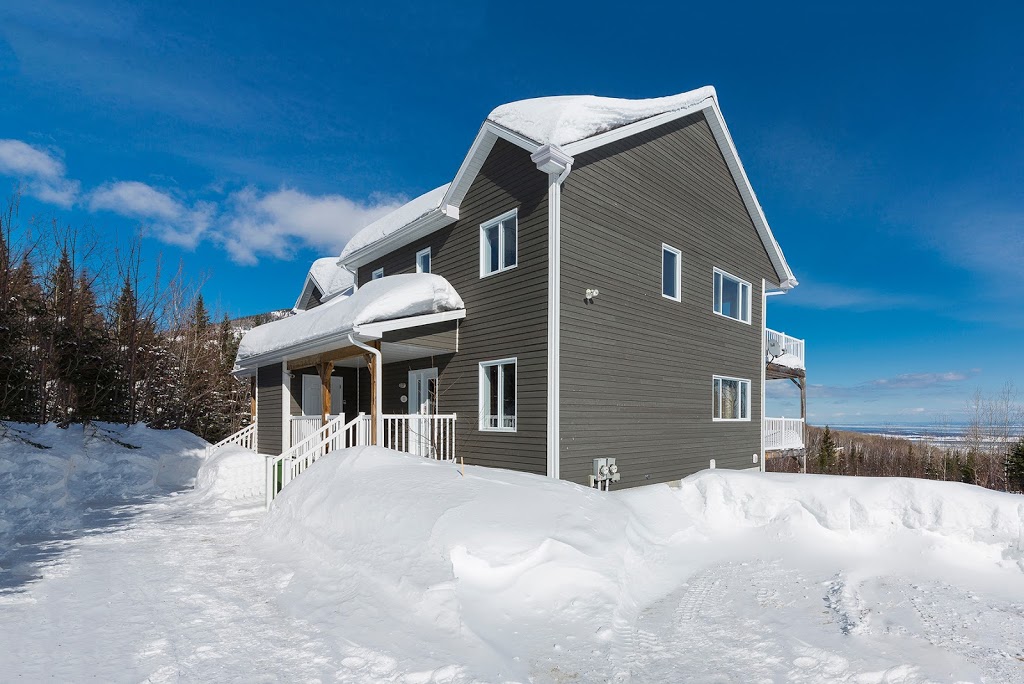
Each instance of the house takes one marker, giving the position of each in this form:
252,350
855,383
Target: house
592,284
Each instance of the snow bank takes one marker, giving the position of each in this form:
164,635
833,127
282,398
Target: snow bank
787,360
232,472
566,119
50,476
388,298
471,559
396,220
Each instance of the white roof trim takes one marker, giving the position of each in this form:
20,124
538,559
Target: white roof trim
306,290
489,133
376,330
330,341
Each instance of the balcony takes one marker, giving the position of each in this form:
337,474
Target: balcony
781,434
784,350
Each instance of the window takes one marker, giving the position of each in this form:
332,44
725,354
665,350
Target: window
377,275
498,395
498,247
671,272
731,399
423,261
732,296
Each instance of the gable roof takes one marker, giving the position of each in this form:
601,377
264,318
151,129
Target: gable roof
329,277
571,125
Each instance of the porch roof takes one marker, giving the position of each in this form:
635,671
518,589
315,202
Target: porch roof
379,306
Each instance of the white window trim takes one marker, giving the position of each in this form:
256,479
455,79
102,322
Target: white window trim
484,401
715,306
374,275
484,273
679,272
421,253
728,420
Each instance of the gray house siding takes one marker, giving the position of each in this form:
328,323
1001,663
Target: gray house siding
312,300
505,312
636,367
269,409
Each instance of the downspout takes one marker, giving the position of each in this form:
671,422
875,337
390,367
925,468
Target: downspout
557,164
378,402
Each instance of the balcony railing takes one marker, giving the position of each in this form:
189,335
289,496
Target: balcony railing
783,433
430,435
304,426
792,349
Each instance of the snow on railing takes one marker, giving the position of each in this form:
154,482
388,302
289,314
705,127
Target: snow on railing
793,348
336,434
245,438
783,433
428,435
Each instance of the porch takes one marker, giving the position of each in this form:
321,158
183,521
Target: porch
785,360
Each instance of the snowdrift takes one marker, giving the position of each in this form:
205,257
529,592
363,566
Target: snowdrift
479,555
50,476
232,473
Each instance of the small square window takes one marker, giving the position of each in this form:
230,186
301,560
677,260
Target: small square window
499,244
498,395
732,296
671,273
730,398
377,274
423,261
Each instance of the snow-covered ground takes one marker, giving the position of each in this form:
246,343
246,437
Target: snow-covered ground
380,567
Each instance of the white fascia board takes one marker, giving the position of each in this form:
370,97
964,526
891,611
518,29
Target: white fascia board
328,342
421,227
732,159
474,161
376,330
306,289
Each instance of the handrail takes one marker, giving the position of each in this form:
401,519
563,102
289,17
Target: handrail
783,433
336,434
245,438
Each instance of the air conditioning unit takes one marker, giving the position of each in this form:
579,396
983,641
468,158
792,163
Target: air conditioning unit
775,347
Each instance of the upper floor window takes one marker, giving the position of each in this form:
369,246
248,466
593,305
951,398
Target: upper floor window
671,272
377,274
423,261
498,244
731,399
498,395
732,296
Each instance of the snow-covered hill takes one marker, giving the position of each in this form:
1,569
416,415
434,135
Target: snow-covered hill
375,566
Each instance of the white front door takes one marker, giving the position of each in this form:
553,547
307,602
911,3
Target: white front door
422,402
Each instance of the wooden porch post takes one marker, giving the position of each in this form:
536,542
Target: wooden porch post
803,416
252,398
375,385
324,370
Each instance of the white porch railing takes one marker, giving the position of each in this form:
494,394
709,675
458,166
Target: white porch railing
336,434
428,435
783,433
792,346
304,426
245,438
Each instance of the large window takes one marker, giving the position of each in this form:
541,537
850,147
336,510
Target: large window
732,296
498,395
498,244
671,272
731,398
423,261
377,274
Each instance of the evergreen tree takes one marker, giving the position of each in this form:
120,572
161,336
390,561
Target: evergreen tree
1015,467
826,451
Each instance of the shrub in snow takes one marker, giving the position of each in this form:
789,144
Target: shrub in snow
232,473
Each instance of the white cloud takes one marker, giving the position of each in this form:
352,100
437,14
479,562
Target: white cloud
136,200
276,223
41,171
829,296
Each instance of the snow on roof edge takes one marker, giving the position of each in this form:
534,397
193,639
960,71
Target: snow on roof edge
395,221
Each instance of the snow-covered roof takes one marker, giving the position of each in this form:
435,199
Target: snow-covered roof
330,277
397,296
396,220
567,119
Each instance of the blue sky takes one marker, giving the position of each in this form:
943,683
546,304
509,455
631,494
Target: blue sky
248,139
